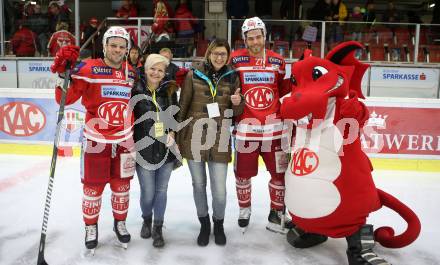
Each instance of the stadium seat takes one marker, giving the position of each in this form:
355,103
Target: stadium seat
385,36
316,49
239,44
277,32
369,37
376,52
423,40
421,54
402,36
434,53
281,47
297,48
202,45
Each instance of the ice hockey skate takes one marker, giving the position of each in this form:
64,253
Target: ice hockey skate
121,233
91,238
278,223
298,238
243,218
360,248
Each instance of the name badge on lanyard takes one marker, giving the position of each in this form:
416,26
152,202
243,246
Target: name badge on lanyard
159,129
213,110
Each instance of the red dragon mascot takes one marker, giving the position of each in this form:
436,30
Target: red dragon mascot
329,187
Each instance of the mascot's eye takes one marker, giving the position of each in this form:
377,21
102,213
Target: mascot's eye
318,71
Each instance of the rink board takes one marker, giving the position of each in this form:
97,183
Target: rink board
400,134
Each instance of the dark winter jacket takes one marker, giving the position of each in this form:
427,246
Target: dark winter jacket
194,97
166,96
171,71
237,8
38,23
320,11
263,8
177,73
290,9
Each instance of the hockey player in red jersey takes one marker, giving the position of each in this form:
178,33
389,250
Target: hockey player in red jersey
259,129
104,86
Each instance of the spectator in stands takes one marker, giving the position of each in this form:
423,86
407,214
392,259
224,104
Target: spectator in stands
11,14
162,27
23,41
28,9
391,14
167,5
89,30
413,17
173,71
356,28
237,9
134,56
292,9
321,11
127,9
64,8
62,37
39,24
339,14
263,9
370,12
57,14
186,23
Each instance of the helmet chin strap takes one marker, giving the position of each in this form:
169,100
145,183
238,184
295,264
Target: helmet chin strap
126,66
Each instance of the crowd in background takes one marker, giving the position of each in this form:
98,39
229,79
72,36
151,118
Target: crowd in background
38,31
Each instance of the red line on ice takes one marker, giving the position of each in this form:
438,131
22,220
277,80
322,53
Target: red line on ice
23,176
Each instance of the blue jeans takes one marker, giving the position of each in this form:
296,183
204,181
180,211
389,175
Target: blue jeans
217,175
154,186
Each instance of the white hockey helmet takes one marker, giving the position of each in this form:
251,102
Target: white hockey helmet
116,31
251,24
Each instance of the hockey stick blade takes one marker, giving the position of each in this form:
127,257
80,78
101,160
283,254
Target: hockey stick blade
41,260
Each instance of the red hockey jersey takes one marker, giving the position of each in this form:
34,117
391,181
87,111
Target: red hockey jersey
105,94
60,39
262,86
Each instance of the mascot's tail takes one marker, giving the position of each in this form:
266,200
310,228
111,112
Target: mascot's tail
385,235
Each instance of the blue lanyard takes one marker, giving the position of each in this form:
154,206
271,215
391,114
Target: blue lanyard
212,88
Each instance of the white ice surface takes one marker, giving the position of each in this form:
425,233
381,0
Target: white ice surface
23,184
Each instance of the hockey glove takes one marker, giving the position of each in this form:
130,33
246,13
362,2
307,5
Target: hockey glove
66,54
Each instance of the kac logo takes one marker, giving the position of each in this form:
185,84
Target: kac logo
304,162
113,112
21,119
259,97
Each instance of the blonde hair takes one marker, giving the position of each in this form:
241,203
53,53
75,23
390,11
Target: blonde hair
161,9
155,58
62,26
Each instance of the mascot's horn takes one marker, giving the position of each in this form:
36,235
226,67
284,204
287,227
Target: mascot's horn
343,54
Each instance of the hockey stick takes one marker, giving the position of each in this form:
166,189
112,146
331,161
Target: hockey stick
40,260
